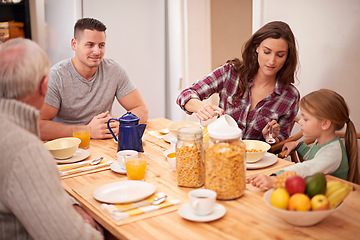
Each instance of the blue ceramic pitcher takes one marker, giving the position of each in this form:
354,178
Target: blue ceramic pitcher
130,132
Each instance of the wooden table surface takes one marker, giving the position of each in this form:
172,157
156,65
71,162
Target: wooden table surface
246,218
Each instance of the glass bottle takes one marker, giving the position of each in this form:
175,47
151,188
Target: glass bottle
190,157
225,163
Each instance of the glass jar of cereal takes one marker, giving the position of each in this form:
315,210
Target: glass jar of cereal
190,157
225,163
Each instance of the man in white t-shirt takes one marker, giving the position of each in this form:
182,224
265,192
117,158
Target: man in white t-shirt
82,89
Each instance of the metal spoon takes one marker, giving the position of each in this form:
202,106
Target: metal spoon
156,201
93,162
270,139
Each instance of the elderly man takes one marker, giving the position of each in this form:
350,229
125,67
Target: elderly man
82,89
33,204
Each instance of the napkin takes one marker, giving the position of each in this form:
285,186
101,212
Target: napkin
109,208
104,163
157,133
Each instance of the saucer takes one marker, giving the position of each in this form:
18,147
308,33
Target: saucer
168,137
185,212
116,168
79,155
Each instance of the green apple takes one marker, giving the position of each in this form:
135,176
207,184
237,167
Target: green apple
319,202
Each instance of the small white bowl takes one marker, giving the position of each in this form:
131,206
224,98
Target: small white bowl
171,161
252,157
301,219
63,148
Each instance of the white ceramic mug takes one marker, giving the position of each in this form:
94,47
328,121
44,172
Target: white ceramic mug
202,201
129,154
223,121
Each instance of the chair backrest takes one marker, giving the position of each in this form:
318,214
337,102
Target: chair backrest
295,157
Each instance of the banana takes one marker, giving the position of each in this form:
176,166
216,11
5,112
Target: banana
332,186
339,195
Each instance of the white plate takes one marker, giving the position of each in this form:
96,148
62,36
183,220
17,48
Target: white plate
186,212
168,137
79,155
124,191
115,166
267,160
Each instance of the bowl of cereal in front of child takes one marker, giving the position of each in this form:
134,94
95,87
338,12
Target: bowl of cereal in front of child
255,150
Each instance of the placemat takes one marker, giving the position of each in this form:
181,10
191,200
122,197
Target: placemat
171,204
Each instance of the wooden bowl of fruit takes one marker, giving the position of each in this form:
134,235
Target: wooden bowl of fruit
306,202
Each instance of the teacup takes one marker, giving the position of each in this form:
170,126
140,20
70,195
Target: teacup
202,201
128,154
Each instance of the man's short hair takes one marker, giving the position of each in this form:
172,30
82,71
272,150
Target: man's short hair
23,64
88,23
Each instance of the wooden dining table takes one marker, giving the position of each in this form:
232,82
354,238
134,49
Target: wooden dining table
247,217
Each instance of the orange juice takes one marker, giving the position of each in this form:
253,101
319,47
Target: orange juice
136,169
171,155
84,136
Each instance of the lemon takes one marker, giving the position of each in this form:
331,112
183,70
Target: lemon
279,198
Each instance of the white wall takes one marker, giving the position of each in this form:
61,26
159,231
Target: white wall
327,33
136,39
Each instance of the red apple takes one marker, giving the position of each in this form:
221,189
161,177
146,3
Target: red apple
319,202
295,184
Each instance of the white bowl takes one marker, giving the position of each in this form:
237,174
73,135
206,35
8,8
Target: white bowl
252,157
174,126
301,219
171,161
63,148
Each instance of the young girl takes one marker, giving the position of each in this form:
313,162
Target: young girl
323,113
258,91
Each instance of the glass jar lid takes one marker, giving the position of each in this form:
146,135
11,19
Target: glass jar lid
188,133
225,133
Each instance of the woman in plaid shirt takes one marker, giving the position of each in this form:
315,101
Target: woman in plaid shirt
258,91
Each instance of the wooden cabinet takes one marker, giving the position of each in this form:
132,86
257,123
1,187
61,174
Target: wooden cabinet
15,16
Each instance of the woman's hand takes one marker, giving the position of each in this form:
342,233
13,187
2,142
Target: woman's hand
203,111
207,111
261,181
276,130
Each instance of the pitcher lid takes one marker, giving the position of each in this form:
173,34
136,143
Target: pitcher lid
129,117
225,133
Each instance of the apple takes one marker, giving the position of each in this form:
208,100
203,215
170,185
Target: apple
299,202
319,202
295,184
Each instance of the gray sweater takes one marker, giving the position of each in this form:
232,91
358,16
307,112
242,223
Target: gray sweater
33,204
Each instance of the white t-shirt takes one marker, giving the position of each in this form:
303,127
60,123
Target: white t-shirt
78,99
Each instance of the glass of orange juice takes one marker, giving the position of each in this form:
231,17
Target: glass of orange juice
82,132
136,167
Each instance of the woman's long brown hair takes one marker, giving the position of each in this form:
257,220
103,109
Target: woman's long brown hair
248,67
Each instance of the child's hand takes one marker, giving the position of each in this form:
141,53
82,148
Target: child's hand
260,180
290,146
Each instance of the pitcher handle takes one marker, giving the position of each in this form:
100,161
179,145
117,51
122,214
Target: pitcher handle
108,125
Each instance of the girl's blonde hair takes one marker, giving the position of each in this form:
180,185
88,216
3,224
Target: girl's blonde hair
327,104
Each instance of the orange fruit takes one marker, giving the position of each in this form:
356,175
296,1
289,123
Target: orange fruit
279,198
299,202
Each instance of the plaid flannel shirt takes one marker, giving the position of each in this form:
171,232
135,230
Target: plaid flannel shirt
282,105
